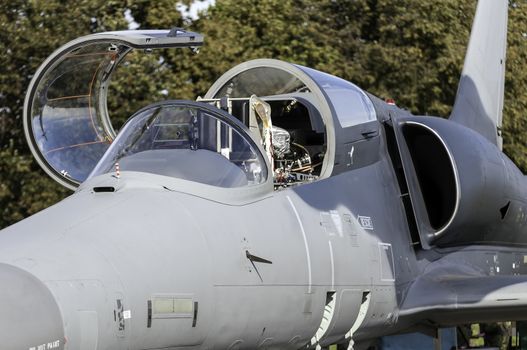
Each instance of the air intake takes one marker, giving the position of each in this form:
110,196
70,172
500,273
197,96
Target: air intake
434,171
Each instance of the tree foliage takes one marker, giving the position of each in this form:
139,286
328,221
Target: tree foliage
29,32
409,50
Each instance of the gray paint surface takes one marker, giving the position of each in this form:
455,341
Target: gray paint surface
139,260
479,100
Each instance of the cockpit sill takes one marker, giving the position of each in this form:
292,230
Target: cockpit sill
133,180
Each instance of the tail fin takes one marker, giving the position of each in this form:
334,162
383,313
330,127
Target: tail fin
479,100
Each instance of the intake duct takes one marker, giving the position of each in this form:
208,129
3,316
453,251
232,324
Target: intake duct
463,189
435,173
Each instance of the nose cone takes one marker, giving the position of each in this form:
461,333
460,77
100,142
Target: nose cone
29,316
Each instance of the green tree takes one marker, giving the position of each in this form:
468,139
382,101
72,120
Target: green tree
515,105
29,32
409,50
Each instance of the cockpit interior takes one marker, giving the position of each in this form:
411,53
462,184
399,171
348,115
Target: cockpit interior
281,113
190,140
186,140
263,120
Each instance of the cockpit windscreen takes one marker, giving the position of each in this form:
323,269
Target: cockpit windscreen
186,141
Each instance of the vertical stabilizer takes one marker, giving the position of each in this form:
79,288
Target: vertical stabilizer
479,100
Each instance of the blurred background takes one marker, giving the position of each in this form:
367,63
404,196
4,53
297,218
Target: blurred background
410,51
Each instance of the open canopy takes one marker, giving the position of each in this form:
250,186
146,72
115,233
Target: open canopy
65,115
308,123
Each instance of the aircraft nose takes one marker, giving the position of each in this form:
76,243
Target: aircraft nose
29,315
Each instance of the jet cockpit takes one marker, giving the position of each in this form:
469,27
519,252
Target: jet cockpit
262,121
186,140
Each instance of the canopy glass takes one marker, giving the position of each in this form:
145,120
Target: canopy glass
186,140
65,116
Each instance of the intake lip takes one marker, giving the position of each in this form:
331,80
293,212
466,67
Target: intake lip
436,174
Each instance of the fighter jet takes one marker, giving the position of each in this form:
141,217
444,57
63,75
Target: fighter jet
285,209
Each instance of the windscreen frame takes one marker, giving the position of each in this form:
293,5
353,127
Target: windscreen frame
221,116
